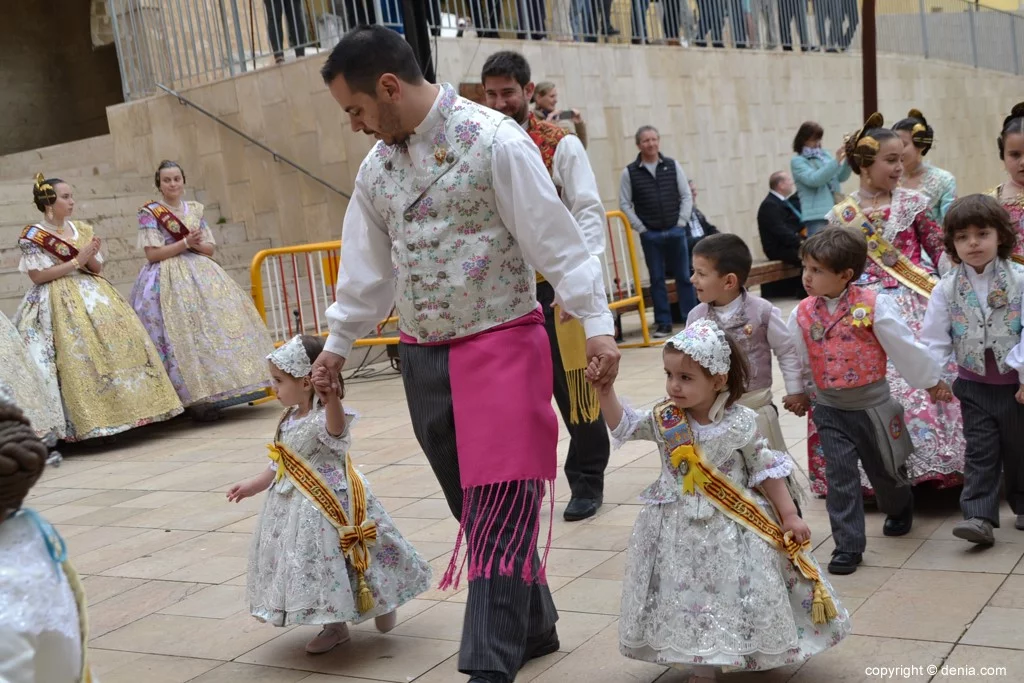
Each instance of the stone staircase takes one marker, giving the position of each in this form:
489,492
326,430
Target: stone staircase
106,200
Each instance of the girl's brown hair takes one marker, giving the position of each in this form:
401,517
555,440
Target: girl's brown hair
22,458
809,130
739,370
164,165
981,211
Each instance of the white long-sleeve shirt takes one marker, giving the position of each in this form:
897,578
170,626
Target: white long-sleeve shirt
910,357
572,173
778,339
936,331
530,209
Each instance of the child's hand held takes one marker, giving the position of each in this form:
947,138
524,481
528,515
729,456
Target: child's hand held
797,526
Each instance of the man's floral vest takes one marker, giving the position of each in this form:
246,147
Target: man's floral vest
458,269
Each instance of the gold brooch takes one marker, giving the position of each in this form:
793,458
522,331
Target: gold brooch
439,154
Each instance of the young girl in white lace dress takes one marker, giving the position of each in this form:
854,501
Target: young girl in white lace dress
719,574
325,551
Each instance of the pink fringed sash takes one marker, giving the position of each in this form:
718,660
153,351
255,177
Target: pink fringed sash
506,433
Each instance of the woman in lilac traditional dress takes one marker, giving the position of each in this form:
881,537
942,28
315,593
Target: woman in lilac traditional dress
209,334
901,218
918,174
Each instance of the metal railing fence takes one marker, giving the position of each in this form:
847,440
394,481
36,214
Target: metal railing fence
181,43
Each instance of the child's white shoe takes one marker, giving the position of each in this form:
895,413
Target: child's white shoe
386,622
329,637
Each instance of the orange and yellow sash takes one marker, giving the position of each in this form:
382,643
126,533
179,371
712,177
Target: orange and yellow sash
166,219
50,243
734,502
355,537
882,252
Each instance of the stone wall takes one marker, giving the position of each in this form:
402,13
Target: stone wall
55,86
728,116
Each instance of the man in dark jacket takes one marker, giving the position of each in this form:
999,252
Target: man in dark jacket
779,224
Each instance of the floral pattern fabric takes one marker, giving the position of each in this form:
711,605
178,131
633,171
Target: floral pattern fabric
87,340
935,429
38,398
297,573
940,187
448,241
1015,207
701,589
211,339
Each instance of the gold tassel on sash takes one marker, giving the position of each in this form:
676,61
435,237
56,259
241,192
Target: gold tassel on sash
572,346
744,510
355,537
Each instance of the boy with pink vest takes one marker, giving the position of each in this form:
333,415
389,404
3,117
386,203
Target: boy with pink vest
845,334
721,265
974,314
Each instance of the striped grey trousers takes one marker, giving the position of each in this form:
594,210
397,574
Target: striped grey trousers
994,431
846,437
502,611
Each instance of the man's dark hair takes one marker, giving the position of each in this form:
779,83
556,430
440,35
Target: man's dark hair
507,63
775,179
728,253
837,249
365,54
981,211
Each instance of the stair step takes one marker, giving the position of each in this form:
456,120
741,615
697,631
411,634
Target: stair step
77,159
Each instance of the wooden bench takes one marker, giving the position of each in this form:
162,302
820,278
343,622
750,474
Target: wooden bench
761,273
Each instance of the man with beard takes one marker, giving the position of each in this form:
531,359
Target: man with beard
451,212
507,86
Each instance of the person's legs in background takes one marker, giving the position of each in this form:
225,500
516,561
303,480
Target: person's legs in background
275,10
638,20
738,16
532,18
654,256
676,251
298,35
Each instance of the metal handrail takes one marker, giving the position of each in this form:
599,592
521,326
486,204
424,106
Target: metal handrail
277,157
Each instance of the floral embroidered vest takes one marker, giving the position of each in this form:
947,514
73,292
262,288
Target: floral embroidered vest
749,327
842,348
459,271
546,136
971,330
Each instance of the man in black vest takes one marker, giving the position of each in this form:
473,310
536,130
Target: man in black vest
779,223
655,195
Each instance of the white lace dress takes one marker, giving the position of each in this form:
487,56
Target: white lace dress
297,573
40,635
700,589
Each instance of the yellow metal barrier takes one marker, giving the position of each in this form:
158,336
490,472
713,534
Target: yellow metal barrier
622,279
293,286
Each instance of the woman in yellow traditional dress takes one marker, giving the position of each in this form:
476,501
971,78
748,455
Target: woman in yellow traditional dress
83,335
206,328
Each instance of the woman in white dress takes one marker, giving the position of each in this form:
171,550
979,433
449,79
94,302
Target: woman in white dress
37,398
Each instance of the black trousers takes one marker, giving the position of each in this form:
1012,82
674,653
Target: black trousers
994,431
502,612
277,10
486,17
589,446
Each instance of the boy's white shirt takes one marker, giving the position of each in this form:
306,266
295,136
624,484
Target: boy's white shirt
935,333
779,340
908,355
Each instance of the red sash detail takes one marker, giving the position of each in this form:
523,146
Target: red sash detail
174,226
51,244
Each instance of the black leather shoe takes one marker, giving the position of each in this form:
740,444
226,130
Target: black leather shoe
899,525
541,645
581,508
488,677
662,331
844,563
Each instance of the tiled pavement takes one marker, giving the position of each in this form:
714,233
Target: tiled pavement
164,556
